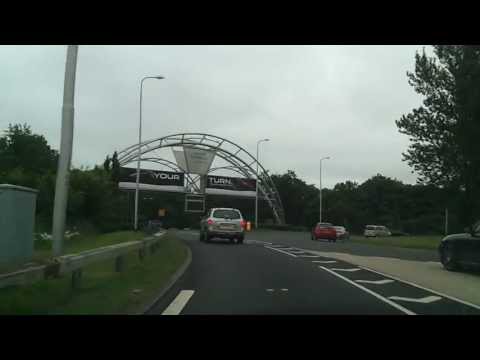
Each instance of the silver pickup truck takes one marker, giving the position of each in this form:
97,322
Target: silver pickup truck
224,223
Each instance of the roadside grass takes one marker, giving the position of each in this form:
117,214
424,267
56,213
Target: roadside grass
43,249
429,242
102,290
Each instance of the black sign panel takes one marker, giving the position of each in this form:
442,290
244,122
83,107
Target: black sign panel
230,183
152,177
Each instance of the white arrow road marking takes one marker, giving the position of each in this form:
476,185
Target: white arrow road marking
284,252
179,303
284,289
324,261
425,300
347,270
377,282
378,296
270,290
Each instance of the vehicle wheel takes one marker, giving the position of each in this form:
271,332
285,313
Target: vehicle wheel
201,237
240,240
448,258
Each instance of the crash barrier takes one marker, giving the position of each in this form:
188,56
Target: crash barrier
74,263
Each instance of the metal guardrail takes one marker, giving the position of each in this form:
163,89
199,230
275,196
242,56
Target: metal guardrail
74,263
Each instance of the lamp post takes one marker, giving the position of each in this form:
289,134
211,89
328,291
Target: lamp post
139,147
65,156
324,158
256,187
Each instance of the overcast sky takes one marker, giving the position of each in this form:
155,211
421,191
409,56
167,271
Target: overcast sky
311,101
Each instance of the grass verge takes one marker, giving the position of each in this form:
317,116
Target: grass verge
429,242
102,291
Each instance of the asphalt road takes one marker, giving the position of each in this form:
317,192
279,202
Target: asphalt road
263,278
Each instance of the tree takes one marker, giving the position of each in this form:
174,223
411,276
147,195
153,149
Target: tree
445,130
20,148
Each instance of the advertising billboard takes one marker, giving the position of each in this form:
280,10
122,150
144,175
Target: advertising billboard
224,185
153,180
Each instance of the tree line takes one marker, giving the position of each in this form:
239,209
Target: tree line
94,199
444,134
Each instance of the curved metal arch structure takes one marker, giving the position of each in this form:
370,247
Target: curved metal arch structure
240,160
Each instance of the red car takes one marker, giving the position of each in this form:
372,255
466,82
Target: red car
324,231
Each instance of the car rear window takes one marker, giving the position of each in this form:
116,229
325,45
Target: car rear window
370,227
226,214
324,225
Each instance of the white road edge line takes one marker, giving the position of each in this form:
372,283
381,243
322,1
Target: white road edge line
423,288
285,252
380,297
177,305
324,261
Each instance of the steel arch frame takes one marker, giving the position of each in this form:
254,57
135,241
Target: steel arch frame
241,161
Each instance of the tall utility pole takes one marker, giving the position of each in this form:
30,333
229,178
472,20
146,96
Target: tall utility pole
324,158
139,148
256,187
65,156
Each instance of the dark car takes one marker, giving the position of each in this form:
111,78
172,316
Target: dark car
324,231
461,250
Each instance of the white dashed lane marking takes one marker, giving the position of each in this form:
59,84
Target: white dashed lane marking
424,300
324,261
376,282
179,303
346,270
284,252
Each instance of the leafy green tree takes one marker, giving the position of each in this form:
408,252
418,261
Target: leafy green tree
445,130
21,149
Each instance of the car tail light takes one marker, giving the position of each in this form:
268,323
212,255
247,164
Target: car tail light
243,224
210,222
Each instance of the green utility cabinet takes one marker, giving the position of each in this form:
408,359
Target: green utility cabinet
17,221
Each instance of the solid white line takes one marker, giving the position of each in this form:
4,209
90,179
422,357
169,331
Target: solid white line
346,270
309,256
380,297
376,282
425,300
179,303
268,247
324,261
424,288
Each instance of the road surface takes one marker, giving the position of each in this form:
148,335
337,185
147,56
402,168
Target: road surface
274,278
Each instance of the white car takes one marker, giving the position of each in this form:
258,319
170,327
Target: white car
224,223
376,230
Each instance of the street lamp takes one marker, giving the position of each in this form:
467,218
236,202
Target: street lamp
139,147
324,158
256,187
